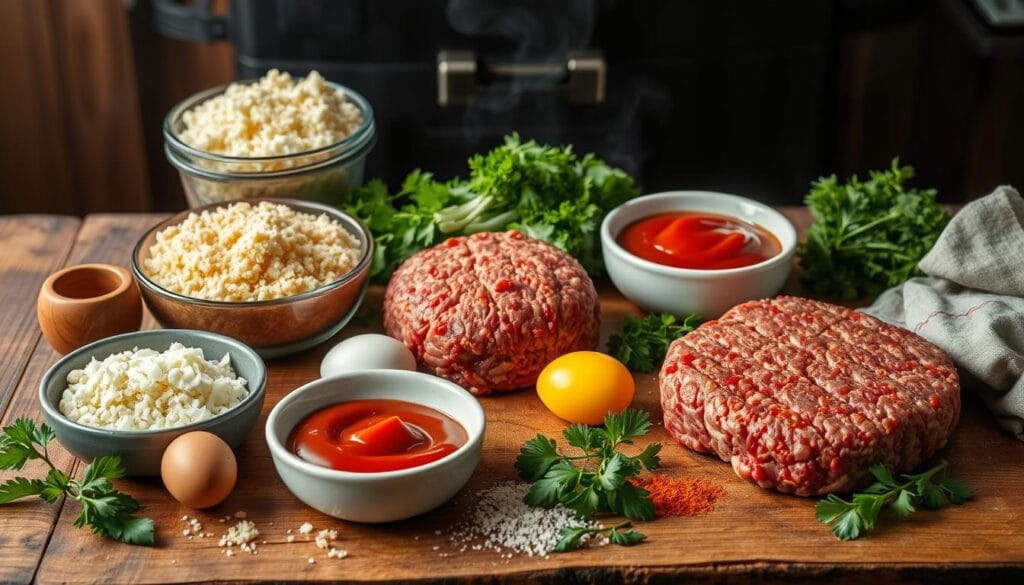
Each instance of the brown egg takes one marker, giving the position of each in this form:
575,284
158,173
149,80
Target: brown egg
199,469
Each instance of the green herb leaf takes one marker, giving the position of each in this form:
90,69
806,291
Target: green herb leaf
105,510
535,458
868,236
626,538
643,342
623,427
632,502
560,479
956,491
547,192
851,519
20,487
597,480
649,458
570,537
582,436
903,505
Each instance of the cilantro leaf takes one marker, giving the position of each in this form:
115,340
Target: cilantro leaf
643,342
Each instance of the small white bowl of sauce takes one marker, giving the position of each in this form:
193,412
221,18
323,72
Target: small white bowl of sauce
701,252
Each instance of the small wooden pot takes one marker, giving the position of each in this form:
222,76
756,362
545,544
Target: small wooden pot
81,304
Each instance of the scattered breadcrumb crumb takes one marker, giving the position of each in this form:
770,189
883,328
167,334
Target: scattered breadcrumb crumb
241,535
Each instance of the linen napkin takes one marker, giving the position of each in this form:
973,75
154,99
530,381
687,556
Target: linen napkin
971,303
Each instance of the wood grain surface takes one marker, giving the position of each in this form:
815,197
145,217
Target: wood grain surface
751,533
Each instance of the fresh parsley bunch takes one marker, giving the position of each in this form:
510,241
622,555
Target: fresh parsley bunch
643,342
107,511
547,192
594,480
868,236
852,519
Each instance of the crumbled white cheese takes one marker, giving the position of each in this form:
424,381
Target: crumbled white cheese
145,389
306,528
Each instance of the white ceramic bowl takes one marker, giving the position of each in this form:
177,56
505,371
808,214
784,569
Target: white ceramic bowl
385,496
681,291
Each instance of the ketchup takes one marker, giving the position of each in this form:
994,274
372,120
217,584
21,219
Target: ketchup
376,435
703,241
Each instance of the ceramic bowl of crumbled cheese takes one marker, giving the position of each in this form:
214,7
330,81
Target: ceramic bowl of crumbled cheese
277,136
132,394
280,275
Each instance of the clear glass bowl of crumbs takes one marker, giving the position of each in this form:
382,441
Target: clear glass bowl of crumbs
325,174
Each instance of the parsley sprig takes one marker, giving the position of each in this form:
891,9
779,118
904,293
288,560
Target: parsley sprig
571,537
868,235
107,511
643,342
596,479
929,489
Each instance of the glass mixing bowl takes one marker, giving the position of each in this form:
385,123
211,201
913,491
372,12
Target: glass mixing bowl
326,174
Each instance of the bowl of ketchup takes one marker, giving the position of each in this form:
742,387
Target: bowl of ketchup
701,252
376,445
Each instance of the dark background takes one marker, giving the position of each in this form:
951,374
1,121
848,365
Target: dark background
756,98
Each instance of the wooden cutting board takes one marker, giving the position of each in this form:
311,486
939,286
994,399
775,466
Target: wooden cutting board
751,533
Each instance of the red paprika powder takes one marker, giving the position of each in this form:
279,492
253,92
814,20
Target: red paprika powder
680,496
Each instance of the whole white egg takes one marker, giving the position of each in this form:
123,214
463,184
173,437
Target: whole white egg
370,351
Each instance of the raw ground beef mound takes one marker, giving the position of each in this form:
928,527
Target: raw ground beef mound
490,310
803,396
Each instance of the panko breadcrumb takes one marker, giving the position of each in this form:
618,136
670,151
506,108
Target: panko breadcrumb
246,252
274,116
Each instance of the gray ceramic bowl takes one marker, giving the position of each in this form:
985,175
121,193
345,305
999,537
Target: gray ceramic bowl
141,450
389,495
275,327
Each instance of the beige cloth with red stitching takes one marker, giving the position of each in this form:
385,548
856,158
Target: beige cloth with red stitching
971,304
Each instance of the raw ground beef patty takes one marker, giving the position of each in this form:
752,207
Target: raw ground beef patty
490,310
802,396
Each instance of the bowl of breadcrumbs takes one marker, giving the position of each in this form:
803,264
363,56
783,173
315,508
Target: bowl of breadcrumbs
279,275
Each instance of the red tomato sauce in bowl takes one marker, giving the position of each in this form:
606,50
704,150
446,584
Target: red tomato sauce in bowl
699,240
376,435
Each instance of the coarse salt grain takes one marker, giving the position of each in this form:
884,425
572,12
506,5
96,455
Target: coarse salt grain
501,521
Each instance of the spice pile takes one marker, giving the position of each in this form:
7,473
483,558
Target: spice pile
501,521
679,496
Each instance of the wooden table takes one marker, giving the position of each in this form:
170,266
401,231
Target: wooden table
751,532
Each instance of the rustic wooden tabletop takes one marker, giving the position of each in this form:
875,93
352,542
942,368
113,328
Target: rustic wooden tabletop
751,533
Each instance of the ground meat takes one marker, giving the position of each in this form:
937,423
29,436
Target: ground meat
490,310
802,396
